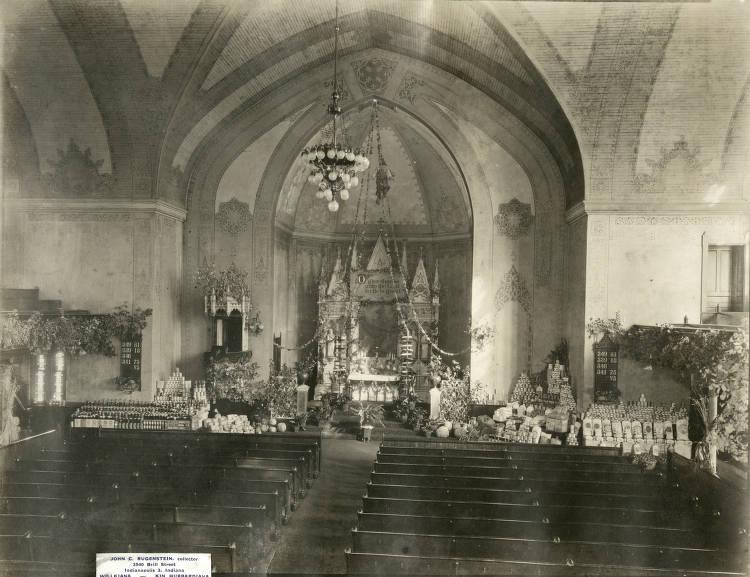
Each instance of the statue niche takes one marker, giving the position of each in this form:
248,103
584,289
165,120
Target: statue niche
370,343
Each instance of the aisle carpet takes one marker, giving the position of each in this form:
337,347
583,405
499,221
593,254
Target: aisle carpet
320,529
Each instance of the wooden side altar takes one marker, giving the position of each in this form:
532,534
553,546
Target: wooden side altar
370,338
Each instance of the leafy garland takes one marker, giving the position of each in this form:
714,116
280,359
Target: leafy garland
279,392
708,361
76,335
231,282
233,380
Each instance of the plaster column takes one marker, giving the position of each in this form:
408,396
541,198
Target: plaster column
262,286
597,265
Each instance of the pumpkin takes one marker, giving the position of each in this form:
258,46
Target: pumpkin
271,429
443,432
272,422
263,428
281,427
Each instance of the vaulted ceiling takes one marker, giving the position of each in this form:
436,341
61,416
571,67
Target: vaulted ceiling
612,91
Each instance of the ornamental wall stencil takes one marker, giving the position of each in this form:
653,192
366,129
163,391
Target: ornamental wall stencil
373,74
513,218
75,173
679,169
513,288
407,89
234,216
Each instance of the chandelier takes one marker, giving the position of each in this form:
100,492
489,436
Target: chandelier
334,165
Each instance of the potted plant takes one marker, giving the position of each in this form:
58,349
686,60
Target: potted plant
370,415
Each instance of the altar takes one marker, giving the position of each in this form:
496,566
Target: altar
371,344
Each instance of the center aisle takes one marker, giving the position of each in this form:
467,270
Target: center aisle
320,530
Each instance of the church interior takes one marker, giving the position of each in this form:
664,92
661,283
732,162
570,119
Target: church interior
374,287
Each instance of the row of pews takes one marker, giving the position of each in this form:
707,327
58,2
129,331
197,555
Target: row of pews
513,509
62,501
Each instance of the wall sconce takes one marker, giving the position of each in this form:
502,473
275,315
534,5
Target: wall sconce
255,325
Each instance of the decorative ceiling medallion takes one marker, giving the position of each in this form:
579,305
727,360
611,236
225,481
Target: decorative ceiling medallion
513,288
234,216
514,218
373,74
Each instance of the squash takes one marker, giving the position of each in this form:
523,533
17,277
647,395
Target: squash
443,432
281,427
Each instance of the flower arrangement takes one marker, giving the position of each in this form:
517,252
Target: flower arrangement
612,328
481,336
75,335
233,380
231,282
370,414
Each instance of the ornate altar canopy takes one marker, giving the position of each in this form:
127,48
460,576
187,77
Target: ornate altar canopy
371,343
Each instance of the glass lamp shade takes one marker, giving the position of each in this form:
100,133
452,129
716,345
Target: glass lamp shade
354,181
320,154
320,194
331,153
344,194
333,206
328,194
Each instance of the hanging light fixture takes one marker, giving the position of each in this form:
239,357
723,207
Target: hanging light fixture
334,166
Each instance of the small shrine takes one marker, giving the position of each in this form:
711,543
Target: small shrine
231,322
376,331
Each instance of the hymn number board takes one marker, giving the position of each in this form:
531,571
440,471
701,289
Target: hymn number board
605,371
130,359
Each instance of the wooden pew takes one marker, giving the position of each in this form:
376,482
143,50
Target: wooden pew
144,486
190,473
588,466
20,568
11,523
511,477
31,553
302,459
525,495
551,550
384,564
525,529
550,513
174,439
508,450
79,511
249,545
605,453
